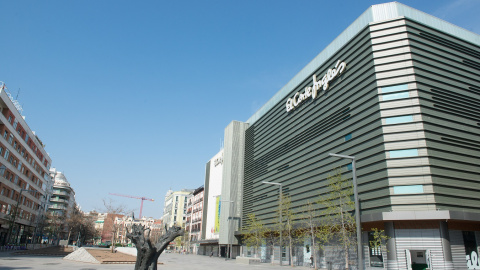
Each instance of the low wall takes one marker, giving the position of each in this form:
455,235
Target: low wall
37,246
247,260
127,250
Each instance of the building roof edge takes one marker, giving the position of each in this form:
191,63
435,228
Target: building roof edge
374,13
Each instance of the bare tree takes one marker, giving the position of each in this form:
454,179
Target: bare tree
74,221
288,224
272,238
376,243
147,252
339,219
254,232
110,226
311,229
55,223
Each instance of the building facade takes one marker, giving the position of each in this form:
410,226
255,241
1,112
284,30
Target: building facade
399,91
210,228
61,203
194,219
62,199
123,225
24,166
175,210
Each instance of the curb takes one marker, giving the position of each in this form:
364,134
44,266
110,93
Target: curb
118,262
40,254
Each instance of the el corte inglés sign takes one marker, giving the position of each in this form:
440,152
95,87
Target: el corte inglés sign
312,91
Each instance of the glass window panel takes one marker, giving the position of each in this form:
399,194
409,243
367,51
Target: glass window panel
398,95
349,167
403,153
399,119
393,88
348,137
408,189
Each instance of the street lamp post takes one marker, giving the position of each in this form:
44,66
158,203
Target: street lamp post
229,245
14,216
280,211
357,209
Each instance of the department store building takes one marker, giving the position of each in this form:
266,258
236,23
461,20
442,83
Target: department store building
399,90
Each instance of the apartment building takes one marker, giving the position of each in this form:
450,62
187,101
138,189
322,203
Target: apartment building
194,218
62,201
124,224
24,166
175,210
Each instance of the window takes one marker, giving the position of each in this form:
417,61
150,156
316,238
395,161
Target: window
398,95
376,257
403,153
470,245
348,137
393,88
7,152
349,167
5,134
408,189
399,119
10,119
15,123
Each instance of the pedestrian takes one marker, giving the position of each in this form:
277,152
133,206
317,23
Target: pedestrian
211,254
311,261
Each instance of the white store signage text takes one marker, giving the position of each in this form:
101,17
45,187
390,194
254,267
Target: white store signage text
312,91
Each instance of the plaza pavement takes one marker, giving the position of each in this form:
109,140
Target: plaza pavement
174,261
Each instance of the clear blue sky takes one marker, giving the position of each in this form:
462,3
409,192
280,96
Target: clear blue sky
132,97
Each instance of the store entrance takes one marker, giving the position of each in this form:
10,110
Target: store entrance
417,259
223,251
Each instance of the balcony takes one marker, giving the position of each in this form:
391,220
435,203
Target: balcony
58,200
57,207
64,193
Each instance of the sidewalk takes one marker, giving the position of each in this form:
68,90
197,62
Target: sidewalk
10,261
